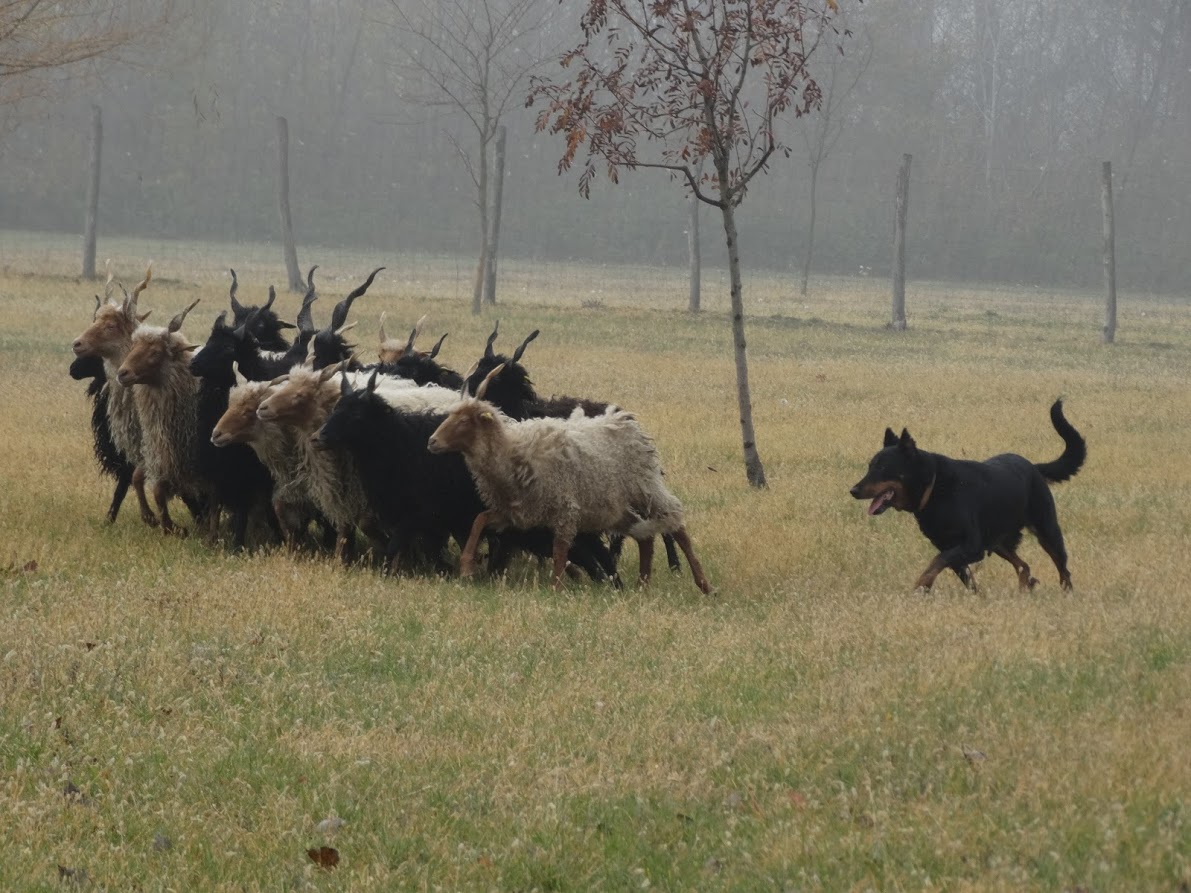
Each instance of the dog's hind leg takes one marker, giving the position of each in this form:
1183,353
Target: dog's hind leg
1050,538
1024,581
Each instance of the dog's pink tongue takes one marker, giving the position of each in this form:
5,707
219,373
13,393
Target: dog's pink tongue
878,503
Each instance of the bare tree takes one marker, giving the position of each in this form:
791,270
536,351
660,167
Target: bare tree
822,131
471,59
43,37
695,81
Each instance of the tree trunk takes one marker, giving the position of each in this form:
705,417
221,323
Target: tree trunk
287,225
753,468
810,235
91,224
692,245
899,246
1109,255
477,292
498,190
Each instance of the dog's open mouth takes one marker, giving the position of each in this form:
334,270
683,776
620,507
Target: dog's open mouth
881,502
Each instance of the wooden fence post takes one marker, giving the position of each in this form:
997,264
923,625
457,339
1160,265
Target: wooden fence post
1109,255
287,225
899,246
91,224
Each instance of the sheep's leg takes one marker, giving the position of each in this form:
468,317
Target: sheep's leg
671,553
562,546
211,521
162,492
344,544
684,542
123,479
138,484
645,551
467,560
239,528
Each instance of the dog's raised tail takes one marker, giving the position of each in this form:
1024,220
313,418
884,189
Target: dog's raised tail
1064,467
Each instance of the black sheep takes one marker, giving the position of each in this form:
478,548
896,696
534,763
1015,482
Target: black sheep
262,322
111,461
238,481
422,497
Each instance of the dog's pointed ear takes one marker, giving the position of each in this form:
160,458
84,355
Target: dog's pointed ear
890,438
906,442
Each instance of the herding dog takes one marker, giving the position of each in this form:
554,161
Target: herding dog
970,509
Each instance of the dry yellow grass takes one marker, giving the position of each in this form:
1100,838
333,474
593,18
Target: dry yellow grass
814,726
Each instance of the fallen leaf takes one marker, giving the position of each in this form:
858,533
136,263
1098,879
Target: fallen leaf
325,857
90,646
29,567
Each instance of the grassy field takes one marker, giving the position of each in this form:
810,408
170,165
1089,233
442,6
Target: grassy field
173,718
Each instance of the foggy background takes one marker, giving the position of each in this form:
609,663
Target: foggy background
1008,109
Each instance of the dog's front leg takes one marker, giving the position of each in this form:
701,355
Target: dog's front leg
957,558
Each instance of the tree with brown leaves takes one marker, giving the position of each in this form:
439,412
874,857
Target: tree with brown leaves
668,84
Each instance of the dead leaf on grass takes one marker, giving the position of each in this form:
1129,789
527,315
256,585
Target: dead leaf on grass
325,857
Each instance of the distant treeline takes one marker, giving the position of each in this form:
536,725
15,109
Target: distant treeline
1008,109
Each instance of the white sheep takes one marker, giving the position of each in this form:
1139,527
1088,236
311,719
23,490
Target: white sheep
578,474
157,371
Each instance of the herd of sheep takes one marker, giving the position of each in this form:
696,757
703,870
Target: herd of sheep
395,458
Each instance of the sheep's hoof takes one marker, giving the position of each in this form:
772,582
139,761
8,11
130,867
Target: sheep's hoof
149,520
174,530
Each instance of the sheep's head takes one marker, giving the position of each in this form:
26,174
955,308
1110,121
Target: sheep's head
391,349
262,322
218,355
302,398
514,389
467,421
153,350
240,424
112,323
352,417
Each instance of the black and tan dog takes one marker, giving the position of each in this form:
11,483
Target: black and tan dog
970,509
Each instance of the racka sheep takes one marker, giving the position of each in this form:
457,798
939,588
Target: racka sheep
157,371
579,474
419,496
109,337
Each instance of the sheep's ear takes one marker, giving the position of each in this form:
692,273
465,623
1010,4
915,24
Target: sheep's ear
221,320
186,347
890,438
372,381
326,374
280,379
483,388
345,387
